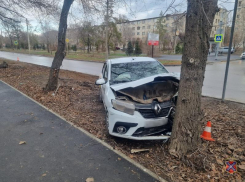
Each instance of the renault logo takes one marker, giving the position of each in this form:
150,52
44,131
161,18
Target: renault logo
157,109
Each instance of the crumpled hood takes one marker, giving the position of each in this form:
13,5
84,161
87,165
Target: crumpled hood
133,84
160,87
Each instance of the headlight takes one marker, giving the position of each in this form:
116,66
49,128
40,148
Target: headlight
123,106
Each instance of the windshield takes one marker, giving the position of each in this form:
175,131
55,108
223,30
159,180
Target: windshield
126,72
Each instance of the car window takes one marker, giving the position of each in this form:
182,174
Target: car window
131,71
105,74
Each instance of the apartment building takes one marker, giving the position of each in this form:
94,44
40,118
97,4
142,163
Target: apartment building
139,29
220,22
239,33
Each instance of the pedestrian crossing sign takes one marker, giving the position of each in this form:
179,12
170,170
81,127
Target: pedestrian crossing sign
218,38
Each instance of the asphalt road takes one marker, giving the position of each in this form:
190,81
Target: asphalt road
213,82
211,57
54,150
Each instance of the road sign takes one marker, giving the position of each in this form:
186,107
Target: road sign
218,38
67,40
16,42
153,39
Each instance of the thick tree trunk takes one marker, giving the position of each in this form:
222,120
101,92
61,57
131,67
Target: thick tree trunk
186,131
60,53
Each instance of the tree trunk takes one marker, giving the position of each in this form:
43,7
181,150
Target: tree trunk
186,131
88,44
60,54
48,47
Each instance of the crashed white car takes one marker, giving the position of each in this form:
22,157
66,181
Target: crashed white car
139,96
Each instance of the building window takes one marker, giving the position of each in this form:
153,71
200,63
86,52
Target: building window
240,3
133,28
143,33
143,21
216,20
148,26
138,22
138,33
237,16
138,28
143,27
133,33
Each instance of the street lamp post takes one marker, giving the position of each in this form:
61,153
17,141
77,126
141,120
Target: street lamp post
29,47
229,52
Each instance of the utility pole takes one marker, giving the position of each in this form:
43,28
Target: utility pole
29,47
229,53
2,37
106,28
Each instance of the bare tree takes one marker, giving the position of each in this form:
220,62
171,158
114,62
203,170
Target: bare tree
60,54
11,8
187,126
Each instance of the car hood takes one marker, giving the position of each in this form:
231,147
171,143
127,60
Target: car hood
160,87
165,76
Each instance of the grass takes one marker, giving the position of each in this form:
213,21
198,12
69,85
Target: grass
170,62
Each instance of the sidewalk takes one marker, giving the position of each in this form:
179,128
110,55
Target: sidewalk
54,150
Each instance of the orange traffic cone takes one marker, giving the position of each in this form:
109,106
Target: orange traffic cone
18,59
206,135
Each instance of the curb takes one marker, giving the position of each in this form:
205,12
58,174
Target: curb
149,172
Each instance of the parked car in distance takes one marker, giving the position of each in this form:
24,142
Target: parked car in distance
225,50
243,55
117,48
139,96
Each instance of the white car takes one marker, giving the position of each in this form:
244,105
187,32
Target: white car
243,55
139,97
225,50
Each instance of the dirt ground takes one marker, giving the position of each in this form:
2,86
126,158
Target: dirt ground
77,101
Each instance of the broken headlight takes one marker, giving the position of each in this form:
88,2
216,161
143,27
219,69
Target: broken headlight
123,106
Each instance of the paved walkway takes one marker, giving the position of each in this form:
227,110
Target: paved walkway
54,150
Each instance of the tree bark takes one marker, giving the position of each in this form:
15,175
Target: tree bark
186,131
60,53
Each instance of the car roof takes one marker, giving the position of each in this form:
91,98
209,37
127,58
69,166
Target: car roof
130,59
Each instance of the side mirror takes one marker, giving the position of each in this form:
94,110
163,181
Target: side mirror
100,81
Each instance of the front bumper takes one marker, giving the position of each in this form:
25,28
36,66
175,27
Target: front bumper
138,122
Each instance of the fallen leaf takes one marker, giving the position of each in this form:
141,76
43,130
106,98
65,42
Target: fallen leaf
90,180
131,156
44,175
119,158
220,162
242,167
22,142
173,167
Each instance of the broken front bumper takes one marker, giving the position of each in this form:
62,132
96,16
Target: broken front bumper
143,125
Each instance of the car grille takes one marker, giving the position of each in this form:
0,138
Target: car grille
155,131
149,113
